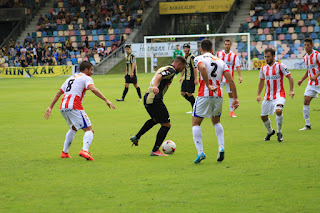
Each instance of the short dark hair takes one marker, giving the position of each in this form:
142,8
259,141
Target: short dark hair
270,50
227,40
180,59
127,46
206,45
85,65
309,40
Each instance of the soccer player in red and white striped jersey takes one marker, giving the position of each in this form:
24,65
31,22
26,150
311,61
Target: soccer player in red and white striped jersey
209,100
312,60
71,108
271,75
233,62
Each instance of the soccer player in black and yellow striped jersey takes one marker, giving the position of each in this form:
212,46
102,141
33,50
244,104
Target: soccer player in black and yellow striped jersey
189,77
153,102
130,74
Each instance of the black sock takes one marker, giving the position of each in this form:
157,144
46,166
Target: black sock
163,131
125,91
191,100
146,127
139,92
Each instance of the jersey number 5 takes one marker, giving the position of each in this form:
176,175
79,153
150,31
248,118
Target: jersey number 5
69,85
214,69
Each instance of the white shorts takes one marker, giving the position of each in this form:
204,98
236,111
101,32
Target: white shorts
269,107
77,118
228,90
206,107
312,91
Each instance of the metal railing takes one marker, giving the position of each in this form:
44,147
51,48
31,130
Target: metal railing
110,61
16,32
229,17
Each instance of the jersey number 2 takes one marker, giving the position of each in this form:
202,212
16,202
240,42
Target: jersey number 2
214,69
69,85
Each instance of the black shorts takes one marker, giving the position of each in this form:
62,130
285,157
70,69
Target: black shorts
158,111
132,80
188,86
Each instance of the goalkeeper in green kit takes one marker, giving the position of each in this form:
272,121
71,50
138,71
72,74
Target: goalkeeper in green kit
177,52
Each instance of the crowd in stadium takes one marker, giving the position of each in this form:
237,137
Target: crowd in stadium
75,31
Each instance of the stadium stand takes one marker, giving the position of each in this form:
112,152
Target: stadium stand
77,31
287,22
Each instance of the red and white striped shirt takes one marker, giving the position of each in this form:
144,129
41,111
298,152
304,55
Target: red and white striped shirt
215,68
74,89
313,65
273,76
231,59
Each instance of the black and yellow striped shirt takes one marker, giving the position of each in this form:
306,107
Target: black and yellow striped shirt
130,59
168,73
189,70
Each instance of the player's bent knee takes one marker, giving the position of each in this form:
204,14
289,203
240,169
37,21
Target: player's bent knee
166,124
264,118
183,93
73,128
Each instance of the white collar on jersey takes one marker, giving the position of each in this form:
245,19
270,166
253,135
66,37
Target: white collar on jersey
207,53
225,51
313,51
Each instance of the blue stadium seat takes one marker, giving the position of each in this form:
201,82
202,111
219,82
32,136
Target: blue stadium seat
286,56
93,62
116,31
60,27
304,16
100,32
74,61
55,33
288,36
94,32
44,34
106,37
56,39
95,38
313,22
108,44
262,38
269,24
62,39
314,35
77,33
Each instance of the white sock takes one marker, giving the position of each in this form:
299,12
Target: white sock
197,138
230,104
279,120
306,114
268,126
220,134
69,138
87,140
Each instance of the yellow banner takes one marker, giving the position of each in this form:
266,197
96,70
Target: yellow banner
182,7
41,71
260,63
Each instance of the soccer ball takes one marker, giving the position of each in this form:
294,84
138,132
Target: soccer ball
168,147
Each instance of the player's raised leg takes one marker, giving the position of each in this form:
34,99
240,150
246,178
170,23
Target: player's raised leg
279,119
145,128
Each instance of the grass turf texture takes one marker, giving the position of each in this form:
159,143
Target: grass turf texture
256,176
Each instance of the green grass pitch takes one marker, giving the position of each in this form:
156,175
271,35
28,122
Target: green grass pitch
256,176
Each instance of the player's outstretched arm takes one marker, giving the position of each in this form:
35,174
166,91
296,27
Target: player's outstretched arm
54,101
303,78
97,92
156,83
260,88
291,83
233,88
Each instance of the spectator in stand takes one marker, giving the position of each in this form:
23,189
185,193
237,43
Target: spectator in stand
256,24
287,22
29,58
63,58
55,55
2,61
11,43
18,49
100,51
23,61
278,15
86,42
68,44
28,38
40,58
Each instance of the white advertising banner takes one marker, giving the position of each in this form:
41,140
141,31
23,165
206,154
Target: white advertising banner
294,64
160,49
